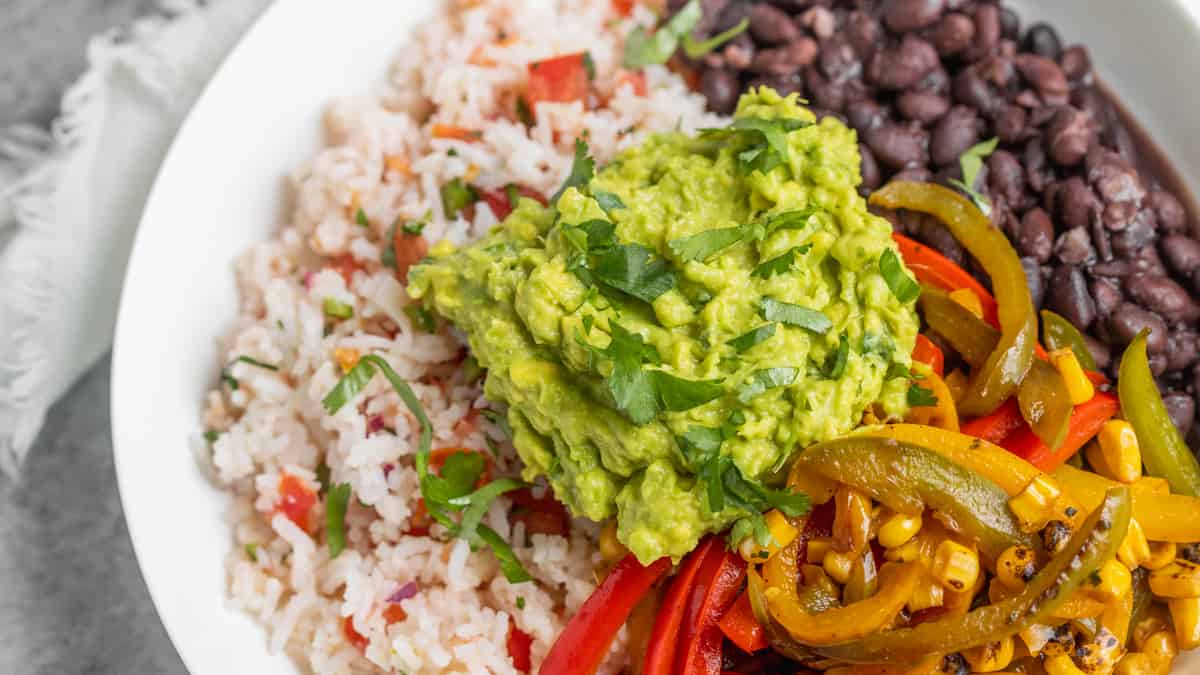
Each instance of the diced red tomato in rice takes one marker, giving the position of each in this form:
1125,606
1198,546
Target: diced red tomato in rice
541,515
519,643
356,639
561,79
296,500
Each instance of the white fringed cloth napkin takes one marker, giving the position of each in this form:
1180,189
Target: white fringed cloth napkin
71,199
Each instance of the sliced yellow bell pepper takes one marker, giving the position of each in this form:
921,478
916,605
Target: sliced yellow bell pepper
944,414
854,621
1162,517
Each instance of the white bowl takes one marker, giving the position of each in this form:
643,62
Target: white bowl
220,190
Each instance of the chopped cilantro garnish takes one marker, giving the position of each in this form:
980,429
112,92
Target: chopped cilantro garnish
324,478
414,228
835,365
229,379
795,315
703,245
513,194
388,257
337,309
636,270
643,48
749,339
767,378
422,318
920,396
765,139
336,503
520,602
904,287
971,162
524,114
256,362
456,196
695,50
452,152
210,436
360,217
608,201
589,65
252,551
583,169
781,263
471,369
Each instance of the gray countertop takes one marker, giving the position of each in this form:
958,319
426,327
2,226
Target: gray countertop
73,599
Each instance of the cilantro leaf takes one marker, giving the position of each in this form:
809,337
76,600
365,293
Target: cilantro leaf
583,169
252,551
700,442
457,477
795,315
512,568
524,114
456,196
971,162
920,396
324,478
636,270
337,309
388,257
677,394
360,218
703,245
422,318
336,504
767,378
904,287
589,65
478,502
749,339
880,345
766,140
695,50
413,229
228,379
255,362
835,365
781,263
211,436
643,48
608,201
641,394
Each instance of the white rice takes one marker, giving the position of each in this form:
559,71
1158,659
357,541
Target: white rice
273,423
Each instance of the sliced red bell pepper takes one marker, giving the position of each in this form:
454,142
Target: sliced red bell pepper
1086,420
925,351
718,583
932,267
664,639
818,524
583,644
994,428
742,629
623,7
560,79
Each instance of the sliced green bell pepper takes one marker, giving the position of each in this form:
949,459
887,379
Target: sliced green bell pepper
1058,333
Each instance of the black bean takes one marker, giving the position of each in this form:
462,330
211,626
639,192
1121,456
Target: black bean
1009,124
987,31
863,32
1006,178
1113,269
954,134
973,90
1134,239
1129,319
1045,75
1033,278
1074,247
1099,351
1171,215
1033,158
897,146
869,168
721,88
902,66
772,26
1068,295
787,59
903,16
921,106
1106,295
1181,409
1076,63
1183,350
916,174
864,114
824,93
1076,202
1036,238
838,61
727,16
1042,40
1182,253
953,33
1115,178
1069,136
1163,296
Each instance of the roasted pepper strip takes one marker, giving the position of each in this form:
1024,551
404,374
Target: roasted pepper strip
777,636
910,478
943,413
1006,366
1043,399
1085,422
931,267
741,628
1162,517
1058,333
839,624
664,637
1095,543
1164,451
925,351
994,428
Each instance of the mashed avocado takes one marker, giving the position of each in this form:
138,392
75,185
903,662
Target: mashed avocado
672,330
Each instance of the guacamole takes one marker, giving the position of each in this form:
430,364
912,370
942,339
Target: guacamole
670,331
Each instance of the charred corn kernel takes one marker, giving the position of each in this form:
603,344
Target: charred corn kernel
928,593
1161,646
818,547
1034,506
610,547
898,529
1185,614
346,357
1079,606
955,566
1162,553
1079,387
838,565
956,382
1036,637
1113,581
969,299
1100,654
1156,620
1135,550
1016,566
1152,485
851,520
1061,664
1180,579
992,657
471,173
782,534
909,552
1119,446
1136,663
